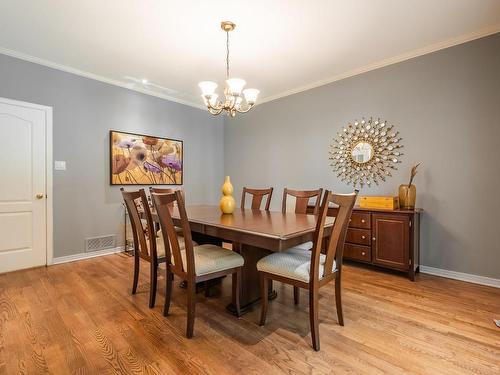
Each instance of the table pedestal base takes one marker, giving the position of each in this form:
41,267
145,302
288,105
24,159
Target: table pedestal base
250,282
247,307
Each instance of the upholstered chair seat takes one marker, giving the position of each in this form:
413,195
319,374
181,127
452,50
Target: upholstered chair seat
304,246
212,258
294,264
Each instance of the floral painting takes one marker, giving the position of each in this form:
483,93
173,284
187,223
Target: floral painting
145,160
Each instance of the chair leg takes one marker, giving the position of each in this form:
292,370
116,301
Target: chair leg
263,298
191,304
338,300
152,284
168,289
136,272
237,291
296,294
313,317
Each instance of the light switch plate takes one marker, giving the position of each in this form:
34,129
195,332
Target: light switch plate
59,165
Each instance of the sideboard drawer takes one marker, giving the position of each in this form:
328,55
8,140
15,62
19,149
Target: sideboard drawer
360,220
359,236
358,252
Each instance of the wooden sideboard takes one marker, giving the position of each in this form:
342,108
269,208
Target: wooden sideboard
384,238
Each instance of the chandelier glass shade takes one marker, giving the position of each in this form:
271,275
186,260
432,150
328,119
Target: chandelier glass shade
236,98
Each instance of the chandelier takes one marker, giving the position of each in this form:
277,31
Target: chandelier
233,92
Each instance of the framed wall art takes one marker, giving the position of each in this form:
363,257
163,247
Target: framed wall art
138,159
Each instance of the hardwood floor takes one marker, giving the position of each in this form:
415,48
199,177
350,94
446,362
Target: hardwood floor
80,318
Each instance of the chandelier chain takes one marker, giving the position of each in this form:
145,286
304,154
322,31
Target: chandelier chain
234,99
227,54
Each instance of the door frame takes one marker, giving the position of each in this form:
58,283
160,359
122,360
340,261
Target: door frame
49,211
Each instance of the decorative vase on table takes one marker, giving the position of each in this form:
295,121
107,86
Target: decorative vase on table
227,202
407,196
408,193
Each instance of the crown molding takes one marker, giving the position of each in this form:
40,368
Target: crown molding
393,60
81,73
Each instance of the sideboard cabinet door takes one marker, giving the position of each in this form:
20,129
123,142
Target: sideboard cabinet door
391,235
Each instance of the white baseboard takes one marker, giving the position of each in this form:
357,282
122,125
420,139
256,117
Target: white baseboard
476,279
82,256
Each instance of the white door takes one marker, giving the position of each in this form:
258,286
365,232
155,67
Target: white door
23,210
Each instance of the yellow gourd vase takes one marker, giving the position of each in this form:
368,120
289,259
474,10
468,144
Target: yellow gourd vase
227,203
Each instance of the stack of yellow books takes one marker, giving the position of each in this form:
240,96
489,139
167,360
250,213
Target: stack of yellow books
385,203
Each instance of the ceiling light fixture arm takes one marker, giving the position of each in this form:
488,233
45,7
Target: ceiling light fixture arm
236,99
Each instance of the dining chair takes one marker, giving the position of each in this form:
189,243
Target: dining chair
257,197
302,200
164,191
161,191
147,245
312,270
194,264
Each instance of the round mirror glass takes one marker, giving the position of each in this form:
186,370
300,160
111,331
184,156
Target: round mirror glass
362,152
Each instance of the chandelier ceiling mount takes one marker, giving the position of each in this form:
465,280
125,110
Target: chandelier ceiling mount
235,98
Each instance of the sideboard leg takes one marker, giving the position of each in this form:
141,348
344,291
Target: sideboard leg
411,274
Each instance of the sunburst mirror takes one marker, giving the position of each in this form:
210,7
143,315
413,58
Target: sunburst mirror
365,152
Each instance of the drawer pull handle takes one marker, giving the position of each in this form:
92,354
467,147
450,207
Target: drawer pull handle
373,238
363,237
362,220
363,253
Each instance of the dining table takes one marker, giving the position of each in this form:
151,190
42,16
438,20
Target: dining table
253,234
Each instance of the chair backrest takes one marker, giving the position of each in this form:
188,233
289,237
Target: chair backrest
257,196
136,203
302,198
335,249
162,191
168,228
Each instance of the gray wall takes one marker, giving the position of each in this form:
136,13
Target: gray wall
85,205
447,108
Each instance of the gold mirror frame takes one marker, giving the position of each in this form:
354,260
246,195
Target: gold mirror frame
383,139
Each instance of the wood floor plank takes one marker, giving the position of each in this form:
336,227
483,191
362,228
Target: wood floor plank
80,318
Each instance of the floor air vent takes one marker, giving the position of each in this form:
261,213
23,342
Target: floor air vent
100,243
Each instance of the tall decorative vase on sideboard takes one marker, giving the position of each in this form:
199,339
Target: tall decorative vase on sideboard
408,193
407,196
227,202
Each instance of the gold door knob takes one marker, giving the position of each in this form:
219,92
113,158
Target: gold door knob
40,196
374,239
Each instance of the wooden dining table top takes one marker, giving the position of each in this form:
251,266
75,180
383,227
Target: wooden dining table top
273,225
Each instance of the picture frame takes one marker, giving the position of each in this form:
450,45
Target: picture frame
141,159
